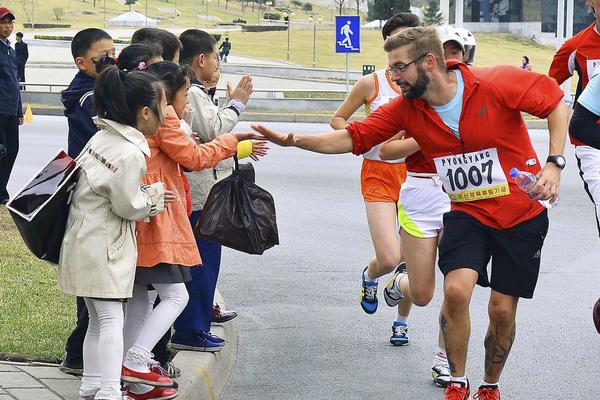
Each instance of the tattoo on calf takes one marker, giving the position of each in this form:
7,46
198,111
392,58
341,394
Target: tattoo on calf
444,328
496,352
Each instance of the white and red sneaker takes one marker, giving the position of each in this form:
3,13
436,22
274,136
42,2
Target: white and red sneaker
158,393
148,378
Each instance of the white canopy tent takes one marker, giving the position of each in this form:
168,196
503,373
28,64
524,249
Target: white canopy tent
131,18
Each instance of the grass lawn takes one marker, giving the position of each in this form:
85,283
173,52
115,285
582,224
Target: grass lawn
35,318
89,13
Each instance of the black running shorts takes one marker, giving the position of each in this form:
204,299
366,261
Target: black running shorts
515,252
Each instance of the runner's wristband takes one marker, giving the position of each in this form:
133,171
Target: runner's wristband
244,149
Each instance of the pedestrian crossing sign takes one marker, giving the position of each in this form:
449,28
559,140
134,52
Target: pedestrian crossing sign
347,34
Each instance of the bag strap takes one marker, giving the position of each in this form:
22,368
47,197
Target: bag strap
237,164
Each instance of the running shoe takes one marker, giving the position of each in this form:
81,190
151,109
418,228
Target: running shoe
457,391
487,393
158,393
399,334
440,372
148,378
392,293
368,295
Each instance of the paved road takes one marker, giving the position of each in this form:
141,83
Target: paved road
301,332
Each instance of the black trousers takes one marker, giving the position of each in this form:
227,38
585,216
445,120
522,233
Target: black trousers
74,346
9,138
21,72
21,75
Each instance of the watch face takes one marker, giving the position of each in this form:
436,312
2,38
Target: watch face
560,161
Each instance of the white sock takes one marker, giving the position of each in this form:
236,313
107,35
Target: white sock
484,383
440,356
401,318
367,278
461,379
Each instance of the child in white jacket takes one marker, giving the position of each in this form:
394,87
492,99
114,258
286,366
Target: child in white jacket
99,252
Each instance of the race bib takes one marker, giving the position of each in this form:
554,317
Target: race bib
472,176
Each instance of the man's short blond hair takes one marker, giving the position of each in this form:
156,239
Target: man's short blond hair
421,40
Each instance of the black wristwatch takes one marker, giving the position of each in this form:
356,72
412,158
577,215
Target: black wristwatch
558,160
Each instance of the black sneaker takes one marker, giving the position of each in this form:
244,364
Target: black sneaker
71,367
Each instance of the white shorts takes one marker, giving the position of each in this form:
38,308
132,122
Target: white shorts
588,162
421,206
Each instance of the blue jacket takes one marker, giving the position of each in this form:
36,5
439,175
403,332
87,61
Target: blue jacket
10,100
22,53
79,110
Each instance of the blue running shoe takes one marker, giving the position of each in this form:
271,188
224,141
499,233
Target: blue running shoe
399,334
368,295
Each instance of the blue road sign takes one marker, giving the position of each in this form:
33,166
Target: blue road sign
347,34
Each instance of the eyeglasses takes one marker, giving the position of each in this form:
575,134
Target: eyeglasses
7,22
400,68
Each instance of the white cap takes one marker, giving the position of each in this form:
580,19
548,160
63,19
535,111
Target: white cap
469,38
448,33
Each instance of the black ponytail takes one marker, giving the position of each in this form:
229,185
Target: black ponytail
172,75
119,95
132,55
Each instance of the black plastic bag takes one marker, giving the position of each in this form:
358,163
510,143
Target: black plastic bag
40,209
240,215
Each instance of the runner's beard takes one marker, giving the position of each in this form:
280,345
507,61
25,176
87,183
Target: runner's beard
417,89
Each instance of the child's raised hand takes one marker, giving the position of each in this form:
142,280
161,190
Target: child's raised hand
259,149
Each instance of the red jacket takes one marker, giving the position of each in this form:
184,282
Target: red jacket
580,53
490,123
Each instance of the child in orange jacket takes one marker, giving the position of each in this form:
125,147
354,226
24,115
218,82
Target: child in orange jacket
166,245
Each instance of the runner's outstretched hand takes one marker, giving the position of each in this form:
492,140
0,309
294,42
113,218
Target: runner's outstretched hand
247,136
548,183
280,139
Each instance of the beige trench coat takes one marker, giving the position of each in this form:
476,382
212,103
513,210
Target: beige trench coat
99,251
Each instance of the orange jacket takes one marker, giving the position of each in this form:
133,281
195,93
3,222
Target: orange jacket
168,237
474,168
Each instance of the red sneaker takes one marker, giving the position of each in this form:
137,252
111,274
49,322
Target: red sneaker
158,393
457,391
487,393
148,378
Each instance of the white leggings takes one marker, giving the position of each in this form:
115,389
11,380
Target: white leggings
144,329
103,350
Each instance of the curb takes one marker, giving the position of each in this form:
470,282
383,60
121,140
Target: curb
205,375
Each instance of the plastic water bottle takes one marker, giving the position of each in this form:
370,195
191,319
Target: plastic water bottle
526,181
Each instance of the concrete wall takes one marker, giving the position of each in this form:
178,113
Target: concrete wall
255,103
289,72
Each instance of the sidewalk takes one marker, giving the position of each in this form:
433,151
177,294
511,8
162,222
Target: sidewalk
203,375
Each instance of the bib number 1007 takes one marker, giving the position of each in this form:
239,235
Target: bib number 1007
461,179
472,176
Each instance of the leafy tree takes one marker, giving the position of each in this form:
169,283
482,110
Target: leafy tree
58,12
432,14
384,9
307,7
